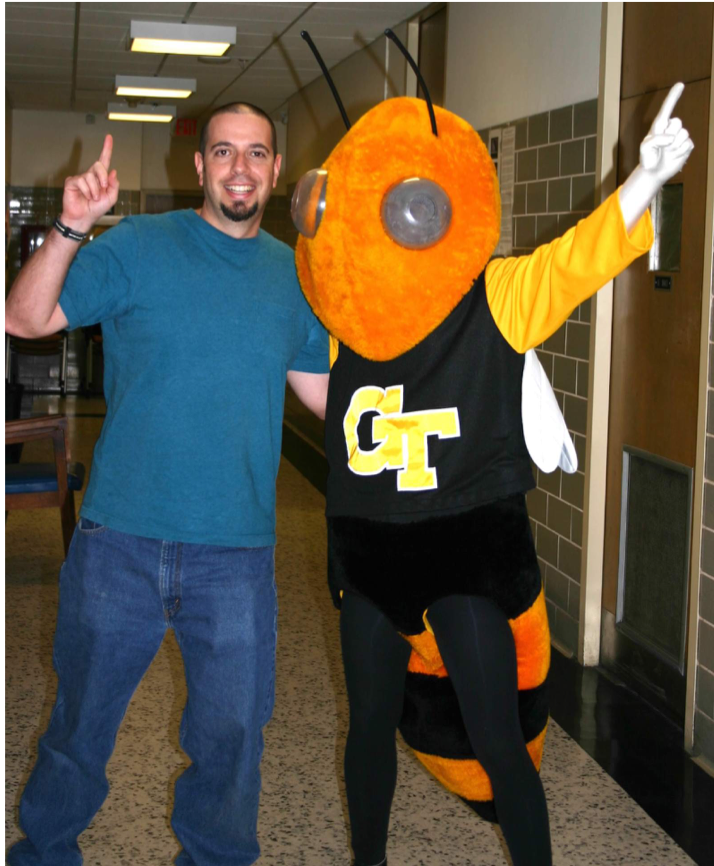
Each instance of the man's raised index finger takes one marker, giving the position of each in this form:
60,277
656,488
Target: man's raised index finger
663,115
106,154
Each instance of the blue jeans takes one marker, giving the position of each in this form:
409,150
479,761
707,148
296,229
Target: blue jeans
118,595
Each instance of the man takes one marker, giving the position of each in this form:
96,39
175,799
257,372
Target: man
203,320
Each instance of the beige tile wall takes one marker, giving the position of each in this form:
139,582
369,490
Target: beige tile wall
555,187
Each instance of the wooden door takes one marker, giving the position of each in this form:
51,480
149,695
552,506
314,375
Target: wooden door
653,419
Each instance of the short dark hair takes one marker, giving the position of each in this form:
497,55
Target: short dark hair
238,108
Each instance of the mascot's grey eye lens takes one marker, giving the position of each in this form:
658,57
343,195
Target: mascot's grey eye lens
416,213
421,210
308,202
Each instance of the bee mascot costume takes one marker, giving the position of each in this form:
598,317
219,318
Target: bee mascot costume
435,403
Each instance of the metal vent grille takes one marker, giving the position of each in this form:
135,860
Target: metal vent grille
654,553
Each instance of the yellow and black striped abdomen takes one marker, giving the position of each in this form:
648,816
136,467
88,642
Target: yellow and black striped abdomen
432,724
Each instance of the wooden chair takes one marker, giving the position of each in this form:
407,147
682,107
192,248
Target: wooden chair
44,485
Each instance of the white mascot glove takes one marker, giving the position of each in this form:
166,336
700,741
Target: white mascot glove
663,152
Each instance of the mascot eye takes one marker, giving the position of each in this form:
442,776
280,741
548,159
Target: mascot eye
308,202
416,213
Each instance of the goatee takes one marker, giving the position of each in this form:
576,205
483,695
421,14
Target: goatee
239,213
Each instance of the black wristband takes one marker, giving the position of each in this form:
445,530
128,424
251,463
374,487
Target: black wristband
67,232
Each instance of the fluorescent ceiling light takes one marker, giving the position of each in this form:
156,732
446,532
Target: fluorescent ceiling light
145,113
157,37
162,88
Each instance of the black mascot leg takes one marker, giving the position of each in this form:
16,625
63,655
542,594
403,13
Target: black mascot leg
476,643
375,659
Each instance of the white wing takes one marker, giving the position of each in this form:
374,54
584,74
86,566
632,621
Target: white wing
547,438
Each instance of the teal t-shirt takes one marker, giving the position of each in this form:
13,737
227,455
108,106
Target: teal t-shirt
199,332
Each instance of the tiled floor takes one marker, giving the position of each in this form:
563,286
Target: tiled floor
303,814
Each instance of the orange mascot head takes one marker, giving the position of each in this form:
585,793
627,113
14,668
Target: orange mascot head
396,226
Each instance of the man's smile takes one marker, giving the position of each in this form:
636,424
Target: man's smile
240,188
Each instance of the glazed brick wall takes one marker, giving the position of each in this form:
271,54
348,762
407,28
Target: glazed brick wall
554,188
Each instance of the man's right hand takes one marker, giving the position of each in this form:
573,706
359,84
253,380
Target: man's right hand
32,308
88,196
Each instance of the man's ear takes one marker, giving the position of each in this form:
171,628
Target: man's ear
198,161
276,168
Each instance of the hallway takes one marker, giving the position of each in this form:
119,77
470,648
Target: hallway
303,812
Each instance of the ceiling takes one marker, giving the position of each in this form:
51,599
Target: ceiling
64,56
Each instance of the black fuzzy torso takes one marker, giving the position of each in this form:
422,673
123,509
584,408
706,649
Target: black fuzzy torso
403,568
470,535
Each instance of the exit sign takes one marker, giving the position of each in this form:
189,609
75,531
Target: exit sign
186,126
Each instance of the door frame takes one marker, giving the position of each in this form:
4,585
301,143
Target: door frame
695,569
608,133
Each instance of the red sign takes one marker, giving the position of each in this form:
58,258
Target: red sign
186,126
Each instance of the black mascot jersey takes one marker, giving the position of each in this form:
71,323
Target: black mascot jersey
436,429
